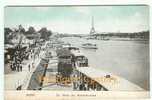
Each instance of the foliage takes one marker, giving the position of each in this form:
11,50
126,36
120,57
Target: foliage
45,33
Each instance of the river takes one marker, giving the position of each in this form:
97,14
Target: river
128,59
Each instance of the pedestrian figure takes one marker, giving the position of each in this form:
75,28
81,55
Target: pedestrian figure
34,57
81,87
31,56
14,66
29,67
17,67
11,66
21,68
32,65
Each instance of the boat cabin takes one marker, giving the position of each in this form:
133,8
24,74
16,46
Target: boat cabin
64,55
80,59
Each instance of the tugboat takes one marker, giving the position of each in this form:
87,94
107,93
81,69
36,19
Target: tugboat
89,46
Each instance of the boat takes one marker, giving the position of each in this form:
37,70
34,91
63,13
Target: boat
80,59
89,46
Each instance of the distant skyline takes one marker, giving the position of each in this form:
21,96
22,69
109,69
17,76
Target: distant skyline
77,19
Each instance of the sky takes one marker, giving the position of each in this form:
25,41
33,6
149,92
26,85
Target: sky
77,19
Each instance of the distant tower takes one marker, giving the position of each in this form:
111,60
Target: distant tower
92,31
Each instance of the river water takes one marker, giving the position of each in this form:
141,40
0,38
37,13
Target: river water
128,59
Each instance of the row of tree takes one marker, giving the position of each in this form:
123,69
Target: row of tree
44,32
143,35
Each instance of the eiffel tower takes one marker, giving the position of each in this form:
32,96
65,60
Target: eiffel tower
92,31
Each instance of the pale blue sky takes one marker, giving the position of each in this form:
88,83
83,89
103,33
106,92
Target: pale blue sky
77,19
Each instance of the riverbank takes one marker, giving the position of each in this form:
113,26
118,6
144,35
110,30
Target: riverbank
123,58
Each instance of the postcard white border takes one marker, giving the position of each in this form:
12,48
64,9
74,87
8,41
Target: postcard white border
60,2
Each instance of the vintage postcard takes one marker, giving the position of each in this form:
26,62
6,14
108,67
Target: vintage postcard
76,51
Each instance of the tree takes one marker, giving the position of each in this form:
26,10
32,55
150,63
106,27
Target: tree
7,31
21,29
31,30
49,33
45,33
43,30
